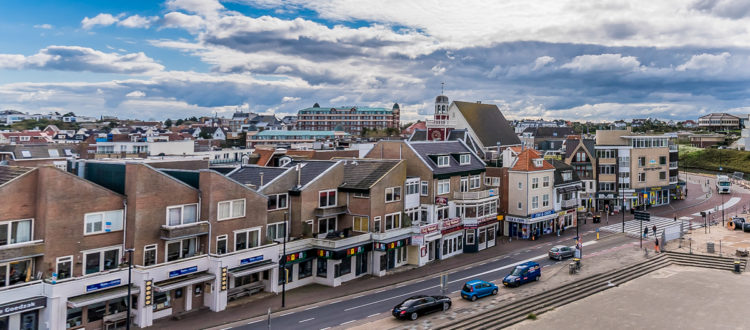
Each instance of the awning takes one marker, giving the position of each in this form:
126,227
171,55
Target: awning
245,270
183,281
101,296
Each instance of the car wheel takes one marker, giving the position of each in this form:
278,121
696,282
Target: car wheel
494,292
559,258
446,306
413,316
537,278
473,298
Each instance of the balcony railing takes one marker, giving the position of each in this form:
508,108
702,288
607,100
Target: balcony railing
27,249
673,180
392,233
336,243
673,147
330,211
186,230
673,165
474,194
568,203
607,161
441,123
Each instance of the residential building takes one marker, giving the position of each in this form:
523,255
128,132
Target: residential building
529,187
689,124
9,117
26,137
568,187
581,154
351,119
707,140
281,137
719,122
545,138
35,155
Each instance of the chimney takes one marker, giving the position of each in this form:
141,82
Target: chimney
299,175
261,179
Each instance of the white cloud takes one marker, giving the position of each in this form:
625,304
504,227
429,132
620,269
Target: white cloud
75,58
202,7
338,99
603,62
287,99
101,19
135,94
705,62
542,61
137,21
175,19
43,26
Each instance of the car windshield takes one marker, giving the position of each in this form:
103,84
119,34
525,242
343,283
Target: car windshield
724,184
517,271
467,288
554,249
409,302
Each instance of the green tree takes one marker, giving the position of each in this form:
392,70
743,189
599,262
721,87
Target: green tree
179,122
364,131
69,114
168,123
204,135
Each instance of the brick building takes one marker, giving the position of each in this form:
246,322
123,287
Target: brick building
352,119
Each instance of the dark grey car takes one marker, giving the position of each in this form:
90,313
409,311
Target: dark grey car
559,252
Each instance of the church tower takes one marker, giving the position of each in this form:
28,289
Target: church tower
396,111
439,128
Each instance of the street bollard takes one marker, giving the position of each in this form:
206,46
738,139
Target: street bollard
737,266
597,234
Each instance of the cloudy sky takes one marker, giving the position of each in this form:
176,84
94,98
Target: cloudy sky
557,59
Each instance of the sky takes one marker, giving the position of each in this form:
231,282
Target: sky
553,59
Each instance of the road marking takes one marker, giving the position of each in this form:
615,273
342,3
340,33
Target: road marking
255,321
310,319
379,291
326,328
392,297
731,202
286,314
309,308
376,314
348,322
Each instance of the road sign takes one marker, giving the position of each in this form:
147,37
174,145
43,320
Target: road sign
642,215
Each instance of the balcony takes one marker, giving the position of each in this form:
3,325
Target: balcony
340,242
673,148
391,234
21,250
441,123
673,180
187,230
330,211
474,194
569,203
673,165
607,161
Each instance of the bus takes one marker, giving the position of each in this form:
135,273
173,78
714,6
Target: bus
723,185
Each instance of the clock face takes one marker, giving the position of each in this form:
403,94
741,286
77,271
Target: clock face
436,135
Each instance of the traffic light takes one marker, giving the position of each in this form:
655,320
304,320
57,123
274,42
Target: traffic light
223,278
148,294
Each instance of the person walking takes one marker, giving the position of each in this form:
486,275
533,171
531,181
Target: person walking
656,245
654,228
645,232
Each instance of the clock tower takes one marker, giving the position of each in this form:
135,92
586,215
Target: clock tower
439,128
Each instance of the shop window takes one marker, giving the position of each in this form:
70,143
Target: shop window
305,269
288,274
95,312
64,267
491,234
470,238
117,306
74,318
445,247
221,244
149,255
345,267
162,300
178,293
322,267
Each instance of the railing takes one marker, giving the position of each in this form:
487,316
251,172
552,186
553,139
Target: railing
473,194
673,165
607,161
673,147
568,203
673,180
440,123
341,242
392,233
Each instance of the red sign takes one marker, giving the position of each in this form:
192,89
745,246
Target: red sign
426,229
450,223
441,201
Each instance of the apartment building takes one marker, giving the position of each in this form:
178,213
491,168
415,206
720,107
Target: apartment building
351,119
457,212
631,165
719,122
529,187
581,154
568,187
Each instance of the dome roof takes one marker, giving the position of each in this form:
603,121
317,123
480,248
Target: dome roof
316,105
395,106
441,99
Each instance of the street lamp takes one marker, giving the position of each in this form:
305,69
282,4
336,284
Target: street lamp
130,277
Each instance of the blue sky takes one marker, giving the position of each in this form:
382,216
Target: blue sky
566,59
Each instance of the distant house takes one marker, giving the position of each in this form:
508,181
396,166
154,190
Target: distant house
216,133
9,117
620,124
719,122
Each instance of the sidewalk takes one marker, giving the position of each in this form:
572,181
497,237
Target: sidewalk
311,294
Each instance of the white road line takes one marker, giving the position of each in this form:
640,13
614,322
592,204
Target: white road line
309,308
392,297
255,321
348,322
376,314
731,202
286,314
455,291
310,319
326,328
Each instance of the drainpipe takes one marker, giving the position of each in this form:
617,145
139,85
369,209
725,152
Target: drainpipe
124,223
208,251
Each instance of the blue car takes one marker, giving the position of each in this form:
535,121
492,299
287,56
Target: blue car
523,273
478,289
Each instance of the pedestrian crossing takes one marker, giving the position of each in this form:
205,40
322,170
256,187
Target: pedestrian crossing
633,227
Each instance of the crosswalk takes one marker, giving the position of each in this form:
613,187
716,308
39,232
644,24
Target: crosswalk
633,227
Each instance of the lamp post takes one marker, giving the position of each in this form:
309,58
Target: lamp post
130,278
283,260
722,195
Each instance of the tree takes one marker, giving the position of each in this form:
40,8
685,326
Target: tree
193,119
364,131
179,122
204,135
168,123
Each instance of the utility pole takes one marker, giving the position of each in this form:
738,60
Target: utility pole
130,281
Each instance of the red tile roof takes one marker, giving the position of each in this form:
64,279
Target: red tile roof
526,162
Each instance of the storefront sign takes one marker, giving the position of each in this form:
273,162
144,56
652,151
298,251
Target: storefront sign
541,214
251,260
427,229
450,223
183,271
354,251
417,240
432,237
22,306
296,256
529,221
655,188
441,201
391,245
103,285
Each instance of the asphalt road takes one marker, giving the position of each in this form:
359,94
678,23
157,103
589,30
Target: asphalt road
382,301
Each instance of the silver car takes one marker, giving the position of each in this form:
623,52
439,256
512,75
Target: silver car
559,252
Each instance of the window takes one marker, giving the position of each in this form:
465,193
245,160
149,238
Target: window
362,194
535,202
14,232
534,183
392,221
246,239
545,181
444,187
96,311
425,188
221,244
442,213
101,222
376,225
545,200
491,181
183,214
102,260
15,272
149,255
662,175
463,184
520,185
470,238
567,176
412,188
327,198
662,160
442,161
185,248
232,209
520,205
346,266
361,224
162,300
25,153
322,267
326,225
641,161
276,230
277,202
304,269
64,267
392,194
641,177
53,152
475,182
74,317
465,159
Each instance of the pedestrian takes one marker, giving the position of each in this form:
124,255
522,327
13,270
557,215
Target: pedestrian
656,245
654,228
645,232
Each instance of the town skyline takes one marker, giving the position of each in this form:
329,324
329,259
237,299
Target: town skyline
179,58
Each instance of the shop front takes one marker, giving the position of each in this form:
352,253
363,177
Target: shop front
251,275
103,306
427,243
297,269
533,226
389,255
480,235
452,240
653,196
22,314
566,219
183,291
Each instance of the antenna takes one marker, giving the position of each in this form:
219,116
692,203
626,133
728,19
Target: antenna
442,88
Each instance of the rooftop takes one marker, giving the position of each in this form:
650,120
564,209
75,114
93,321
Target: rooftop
362,174
8,173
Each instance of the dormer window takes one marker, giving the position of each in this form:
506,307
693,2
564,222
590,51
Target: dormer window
539,162
465,159
442,161
567,176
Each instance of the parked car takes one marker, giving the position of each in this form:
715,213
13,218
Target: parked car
560,252
415,306
523,273
478,289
